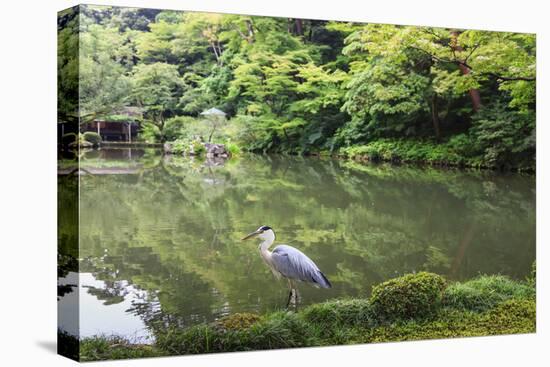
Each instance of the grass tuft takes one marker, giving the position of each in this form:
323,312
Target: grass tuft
484,292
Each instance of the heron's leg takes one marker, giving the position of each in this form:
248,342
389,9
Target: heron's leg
296,295
293,296
289,293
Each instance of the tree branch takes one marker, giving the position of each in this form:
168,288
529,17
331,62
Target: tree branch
465,64
471,52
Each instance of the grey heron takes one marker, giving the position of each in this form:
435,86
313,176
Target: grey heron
288,262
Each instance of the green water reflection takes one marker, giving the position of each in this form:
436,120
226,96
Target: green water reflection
171,226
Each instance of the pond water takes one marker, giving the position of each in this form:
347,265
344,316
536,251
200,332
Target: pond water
160,235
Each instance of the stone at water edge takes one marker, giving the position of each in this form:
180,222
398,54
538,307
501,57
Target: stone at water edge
216,150
168,148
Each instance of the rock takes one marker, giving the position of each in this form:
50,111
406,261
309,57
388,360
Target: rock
168,148
216,150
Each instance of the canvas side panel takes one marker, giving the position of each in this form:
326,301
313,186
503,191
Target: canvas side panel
68,182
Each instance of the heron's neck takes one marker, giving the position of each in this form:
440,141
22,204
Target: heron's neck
264,246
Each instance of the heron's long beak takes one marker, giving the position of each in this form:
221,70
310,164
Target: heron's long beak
250,235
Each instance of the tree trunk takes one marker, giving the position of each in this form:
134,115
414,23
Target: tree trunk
213,45
435,117
298,27
250,29
474,93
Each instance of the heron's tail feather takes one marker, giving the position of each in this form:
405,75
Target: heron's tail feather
322,280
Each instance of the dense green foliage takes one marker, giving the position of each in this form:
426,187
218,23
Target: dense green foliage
348,321
303,86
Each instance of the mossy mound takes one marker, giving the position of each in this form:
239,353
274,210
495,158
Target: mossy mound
410,296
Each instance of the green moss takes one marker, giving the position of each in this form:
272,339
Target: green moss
511,317
410,296
484,292
238,321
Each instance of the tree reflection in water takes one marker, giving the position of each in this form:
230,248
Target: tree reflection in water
172,229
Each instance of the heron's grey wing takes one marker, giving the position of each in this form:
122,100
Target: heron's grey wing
294,264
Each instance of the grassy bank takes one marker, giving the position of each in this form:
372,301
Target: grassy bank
413,307
454,153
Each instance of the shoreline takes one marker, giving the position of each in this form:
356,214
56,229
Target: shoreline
357,155
395,152
417,306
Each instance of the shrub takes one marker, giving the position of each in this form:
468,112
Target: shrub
410,296
506,138
232,148
180,146
92,137
150,132
198,148
485,292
